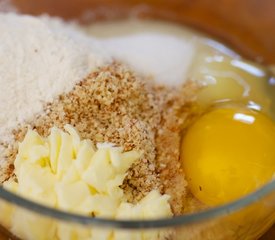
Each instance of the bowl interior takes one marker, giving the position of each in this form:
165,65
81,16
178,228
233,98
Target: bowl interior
252,36
233,22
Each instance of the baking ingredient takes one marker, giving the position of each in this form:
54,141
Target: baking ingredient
40,58
164,58
159,50
62,171
230,79
228,153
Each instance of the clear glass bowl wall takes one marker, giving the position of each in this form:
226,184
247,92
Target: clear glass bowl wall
247,218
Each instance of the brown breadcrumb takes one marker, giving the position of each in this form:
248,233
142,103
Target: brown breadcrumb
176,112
7,155
114,105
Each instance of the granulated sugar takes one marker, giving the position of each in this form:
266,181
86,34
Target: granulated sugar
161,50
164,58
40,58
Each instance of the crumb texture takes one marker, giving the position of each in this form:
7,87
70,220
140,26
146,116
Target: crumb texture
114,105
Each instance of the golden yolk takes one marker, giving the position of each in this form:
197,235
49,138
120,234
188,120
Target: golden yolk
228,153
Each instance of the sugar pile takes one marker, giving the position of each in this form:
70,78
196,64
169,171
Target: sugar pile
40,58
164,58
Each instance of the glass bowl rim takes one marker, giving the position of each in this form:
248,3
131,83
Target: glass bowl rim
175,221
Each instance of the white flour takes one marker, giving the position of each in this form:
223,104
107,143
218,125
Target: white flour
40,58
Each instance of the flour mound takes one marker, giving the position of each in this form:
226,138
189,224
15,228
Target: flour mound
40,58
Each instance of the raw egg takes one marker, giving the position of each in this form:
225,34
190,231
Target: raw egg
228,153
226,79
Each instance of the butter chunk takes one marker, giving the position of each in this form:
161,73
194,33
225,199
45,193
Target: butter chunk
100,171
30,226
71,195
54,141
37,183
155,206
66,231
100,205
64,172
85,153
66,155
32,139
152,206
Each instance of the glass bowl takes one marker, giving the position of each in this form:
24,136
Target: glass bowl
246,218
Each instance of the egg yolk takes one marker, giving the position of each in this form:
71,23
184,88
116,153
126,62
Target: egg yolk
228,153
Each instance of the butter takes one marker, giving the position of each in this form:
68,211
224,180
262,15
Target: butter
64,172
